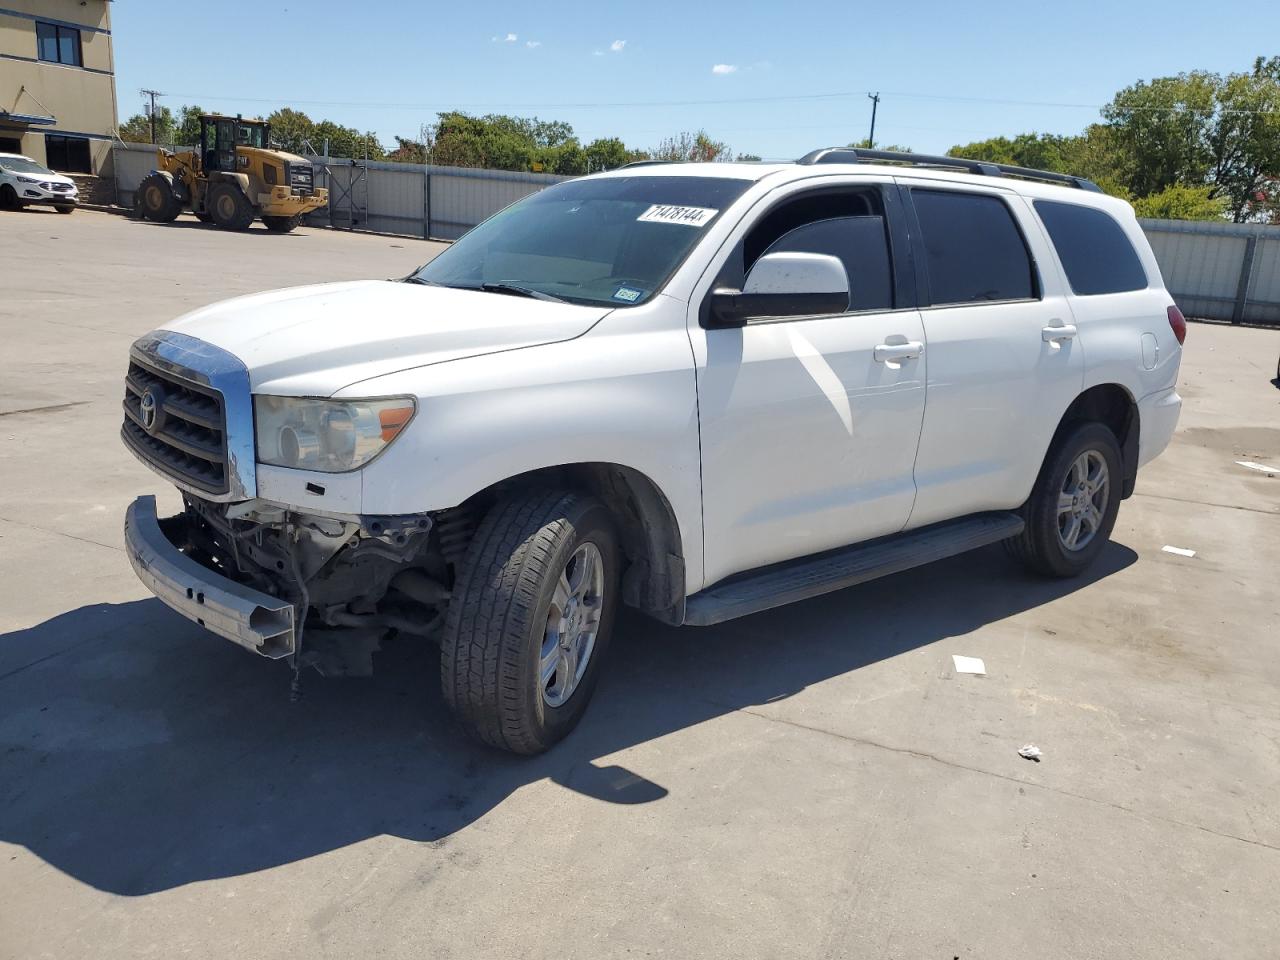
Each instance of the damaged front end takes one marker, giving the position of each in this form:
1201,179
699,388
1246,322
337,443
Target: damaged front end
255,572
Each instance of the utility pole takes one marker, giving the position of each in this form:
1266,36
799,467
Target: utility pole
152,114
875,102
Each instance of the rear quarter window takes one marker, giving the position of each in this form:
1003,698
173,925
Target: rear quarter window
1093,248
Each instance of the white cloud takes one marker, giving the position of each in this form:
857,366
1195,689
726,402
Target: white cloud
533,43
509,38
617,46
724,68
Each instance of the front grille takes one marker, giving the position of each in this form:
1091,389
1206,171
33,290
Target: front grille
301,179
61,187
187,438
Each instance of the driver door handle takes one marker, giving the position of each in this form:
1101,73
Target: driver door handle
1058,331
892,352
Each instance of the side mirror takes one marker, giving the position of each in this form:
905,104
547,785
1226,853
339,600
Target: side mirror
784,285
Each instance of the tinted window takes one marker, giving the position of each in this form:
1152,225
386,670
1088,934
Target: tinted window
612,240
67,154
974,250
1096,254
849,226
860,244
58,44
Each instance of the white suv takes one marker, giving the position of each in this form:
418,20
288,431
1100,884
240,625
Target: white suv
23,182
700,390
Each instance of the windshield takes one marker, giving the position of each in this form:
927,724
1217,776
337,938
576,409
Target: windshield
615,240
22,165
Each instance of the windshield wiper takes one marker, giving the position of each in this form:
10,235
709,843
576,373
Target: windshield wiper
414,278
516,290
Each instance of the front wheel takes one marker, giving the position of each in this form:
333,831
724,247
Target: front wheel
229,207
281,224
65,208
530,619
9,198
157,200
1073,507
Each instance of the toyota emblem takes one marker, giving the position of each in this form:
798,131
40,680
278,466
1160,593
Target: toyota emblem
150,407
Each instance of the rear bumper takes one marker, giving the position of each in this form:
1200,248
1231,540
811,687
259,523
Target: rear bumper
1157,419
255,620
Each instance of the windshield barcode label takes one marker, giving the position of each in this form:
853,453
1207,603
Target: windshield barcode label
670,213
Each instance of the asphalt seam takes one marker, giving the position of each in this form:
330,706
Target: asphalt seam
59,533
923,755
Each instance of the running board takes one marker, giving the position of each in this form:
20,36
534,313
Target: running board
847,567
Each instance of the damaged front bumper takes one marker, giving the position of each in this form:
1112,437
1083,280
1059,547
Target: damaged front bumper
255,620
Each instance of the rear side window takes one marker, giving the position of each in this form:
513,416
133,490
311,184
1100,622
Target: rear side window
973,248
1094,250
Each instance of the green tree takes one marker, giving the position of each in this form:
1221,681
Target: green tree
1164,128
865,144
692,148
748,158
608,154
137,129
408,151
1245,141
1180,202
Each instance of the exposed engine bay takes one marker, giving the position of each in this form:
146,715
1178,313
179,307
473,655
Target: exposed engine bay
353,580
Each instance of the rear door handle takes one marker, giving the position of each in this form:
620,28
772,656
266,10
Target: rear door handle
891,352
1056,332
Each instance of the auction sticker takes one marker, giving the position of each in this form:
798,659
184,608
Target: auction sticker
671,213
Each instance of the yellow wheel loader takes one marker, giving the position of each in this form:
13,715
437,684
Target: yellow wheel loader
231,178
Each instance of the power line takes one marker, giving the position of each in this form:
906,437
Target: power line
622,104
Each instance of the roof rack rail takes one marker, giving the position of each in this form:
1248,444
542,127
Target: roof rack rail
980,167
645,163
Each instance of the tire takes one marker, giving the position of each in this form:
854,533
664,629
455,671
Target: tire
1061,511
205,217
281,224
9,198
229,207
65,208
157,200
505,594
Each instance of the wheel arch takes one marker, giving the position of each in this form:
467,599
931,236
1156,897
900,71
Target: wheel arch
653,580
1113,405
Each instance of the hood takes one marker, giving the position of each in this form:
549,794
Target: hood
313,341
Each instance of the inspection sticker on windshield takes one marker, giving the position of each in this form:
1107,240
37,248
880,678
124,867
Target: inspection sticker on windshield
627,295
671,213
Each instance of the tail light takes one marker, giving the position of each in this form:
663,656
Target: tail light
1179,324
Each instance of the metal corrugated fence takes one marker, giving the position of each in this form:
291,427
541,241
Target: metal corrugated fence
1216,271
1220,271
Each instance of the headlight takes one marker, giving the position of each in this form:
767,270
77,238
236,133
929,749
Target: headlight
331,436
22,179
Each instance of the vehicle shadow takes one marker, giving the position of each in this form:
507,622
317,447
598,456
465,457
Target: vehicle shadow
138,753
184,222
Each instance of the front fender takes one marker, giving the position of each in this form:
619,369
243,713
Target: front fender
623,393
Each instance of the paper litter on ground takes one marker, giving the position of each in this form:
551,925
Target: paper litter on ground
1180,551
969,664
1258,466
1031,752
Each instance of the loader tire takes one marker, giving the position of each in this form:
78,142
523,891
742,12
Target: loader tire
282,224
230,208
157,200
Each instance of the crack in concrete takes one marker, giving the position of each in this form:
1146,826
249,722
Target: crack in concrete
1209,503
59,533
46,409
925,755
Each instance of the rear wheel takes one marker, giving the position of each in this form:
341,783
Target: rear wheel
9,198
281,224
1073,508
229,207
204,217
157,200
530,618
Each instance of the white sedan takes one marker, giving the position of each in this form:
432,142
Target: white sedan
23,181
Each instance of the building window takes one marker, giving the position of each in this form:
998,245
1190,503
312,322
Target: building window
67,154
58,44
10,145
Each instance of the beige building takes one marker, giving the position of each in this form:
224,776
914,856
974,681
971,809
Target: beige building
57,83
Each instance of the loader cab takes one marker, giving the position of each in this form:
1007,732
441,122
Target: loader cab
219,137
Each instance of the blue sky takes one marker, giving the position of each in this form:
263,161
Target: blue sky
948,72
